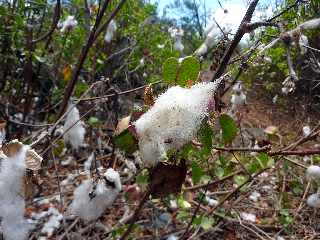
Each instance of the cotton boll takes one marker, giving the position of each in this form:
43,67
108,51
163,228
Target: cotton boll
88,163
254,196
211,202
73,128
53,222
314,200
303,41
91,206
210,40
306,131
178,45
68,24
202,50
173,120
112,27
238,100
311,24
248,217
172,237
237,88
12,204
313,172
209,28
114,177
2,135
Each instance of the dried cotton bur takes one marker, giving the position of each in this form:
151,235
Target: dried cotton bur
73,128
173,120
91,199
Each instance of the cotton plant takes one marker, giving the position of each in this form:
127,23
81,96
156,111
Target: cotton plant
12,203
68,25
111,29
173,120
91,200
177,34
73,128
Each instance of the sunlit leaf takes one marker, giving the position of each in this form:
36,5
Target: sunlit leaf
229,128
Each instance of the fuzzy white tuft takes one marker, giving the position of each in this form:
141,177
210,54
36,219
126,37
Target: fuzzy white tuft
173,120
68,24
313,172
177,34
73,128
12,204
112,27
87,164
314,200
2,135
254,196
172,237
311,24
303,41
248,217
306,131
91,208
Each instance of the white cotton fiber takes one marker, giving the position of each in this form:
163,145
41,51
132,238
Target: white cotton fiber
102,196
74,135
306,131
311,24
112,27
173,120
12,204
303,41
313,200
313,172
68,24
87,164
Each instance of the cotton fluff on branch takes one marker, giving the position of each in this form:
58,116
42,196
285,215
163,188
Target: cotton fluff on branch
68,24
238,98
210,34
2,135
112,27
306,131
90,200
177,34
12,204
173,120
303,42
73,128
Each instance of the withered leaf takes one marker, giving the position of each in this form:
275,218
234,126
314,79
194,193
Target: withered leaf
33,160
167,178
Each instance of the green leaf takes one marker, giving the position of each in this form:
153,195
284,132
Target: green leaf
239,179
126,141
189,70
205,136
169,70
197,172
93,121
206,223
229,128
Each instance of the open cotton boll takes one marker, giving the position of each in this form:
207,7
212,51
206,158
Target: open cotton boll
114,177
202,50
90,202
248,217
306,131
68,24
178,45
173,120
254,196
211,202
314,23
314,200
87,164
313,172
2,135
112,27
238,100
73,128
172,237
12,203
303,41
